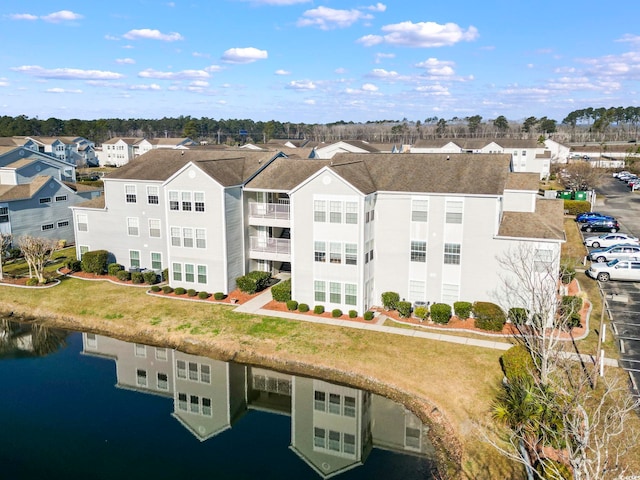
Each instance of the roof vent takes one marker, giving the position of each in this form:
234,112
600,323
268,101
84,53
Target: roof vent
447,157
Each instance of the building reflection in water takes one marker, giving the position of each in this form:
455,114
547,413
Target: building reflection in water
333,427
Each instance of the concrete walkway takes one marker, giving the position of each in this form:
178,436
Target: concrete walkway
255,305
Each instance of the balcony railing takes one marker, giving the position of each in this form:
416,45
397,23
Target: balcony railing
271,245
279,211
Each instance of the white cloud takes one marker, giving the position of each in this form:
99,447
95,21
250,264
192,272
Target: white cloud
369,87
244,55
125,61
328,18
378,7
67,73
199,54
439,68
627,37
309,101
421,34
302,85
340,71
61,16
4,82
213,68
151,34
277,3
180,75
22,16
282,72
384,74
382,56
435,90
111,37
61,90
145,87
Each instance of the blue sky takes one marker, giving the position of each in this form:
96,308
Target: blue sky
316,61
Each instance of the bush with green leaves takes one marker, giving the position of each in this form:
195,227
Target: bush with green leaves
353,313
137,277
390,300
32,282
567,273
123,275
404,309
462,309
368,315
155,288
489,316
74,265
440,313
167,289
292,305
318,309
421,312
336,312
517,363
518,315
150,277
114,268
253,282
180,291
569,311
219,296
574,207
281,291
203,295
303,308
192,292
95,261
165,275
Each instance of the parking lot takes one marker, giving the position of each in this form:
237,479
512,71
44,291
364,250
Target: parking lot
622,299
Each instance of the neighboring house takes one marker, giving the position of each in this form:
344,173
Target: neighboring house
117,151
146,145
36,191
558,151
346,146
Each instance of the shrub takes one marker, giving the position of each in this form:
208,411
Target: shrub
569,311
567,273
191,292
253,282
292,305
518,315
390,300
489,316
95,261
155,288
123,275
281,292
180,291
574,207
32,282
165,275
440,312
421,312
462,309
219,296
15,252
74,265
404,309
318,309
368,315
353,314
137,277
203,295
114,268
336,312
167,289
150,277
303,307
517,363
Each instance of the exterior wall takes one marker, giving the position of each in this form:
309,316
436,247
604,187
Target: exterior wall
305,231
448,148
519,201
28,172
234,228
64,171
116,154
340,147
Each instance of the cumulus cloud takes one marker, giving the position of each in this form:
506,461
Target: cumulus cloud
435,90
22,16
180,75
213,68
301,85
55,17
61,90
382,56
244,55
282,72
67,73
145,87
4,82
125,61
627,37
152,34
200,54
369,87
326,18
440,68
384,74
421,34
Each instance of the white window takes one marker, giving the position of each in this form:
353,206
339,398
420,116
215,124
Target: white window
176,239
319,401
163,381
319,437
351,212
161,354
177,272
134,258
83,249
4,214
349,407
320,290
320,251
543,261
198,200
419,210
335,212
350,254
156,260
349,443
154,227
133,229
319,211
335,292
186,201
335,252
350,294
181,369
187,237
450,293
82,221
418,251
454,211
174,200
153,195
201,238
202,274
205,373
334,441
141,377
417,290
334,404
452,254
140,350
189,273
130,193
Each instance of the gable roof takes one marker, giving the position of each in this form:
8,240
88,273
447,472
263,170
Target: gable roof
523,181
127,140
23,192
547,222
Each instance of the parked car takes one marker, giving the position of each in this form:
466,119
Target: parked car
588,216
610,239
625,251
628,270
603,225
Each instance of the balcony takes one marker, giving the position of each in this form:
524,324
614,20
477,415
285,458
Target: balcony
274,214
262,248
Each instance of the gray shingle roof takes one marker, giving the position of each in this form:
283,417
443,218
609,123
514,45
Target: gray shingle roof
24,191
523,181
547,222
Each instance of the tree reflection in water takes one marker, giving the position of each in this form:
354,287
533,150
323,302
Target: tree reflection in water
29,339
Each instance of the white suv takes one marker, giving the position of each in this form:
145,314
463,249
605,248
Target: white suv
628,270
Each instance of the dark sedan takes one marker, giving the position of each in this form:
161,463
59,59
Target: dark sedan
601,226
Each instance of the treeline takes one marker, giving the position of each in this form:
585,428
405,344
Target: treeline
585,125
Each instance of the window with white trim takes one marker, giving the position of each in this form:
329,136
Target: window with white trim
176,239
543,261
319,401
419,210
452,254
48,226
335,212
202,274
371,250
156,260
61,198
153,195
349,409
335,252
133,228
417,290
187,237
201,238
141,377
154,227
134,258
450,293
320,291
174,200
130,194
4,214
335,292
186,201
63,223
83,249
82,222
177,272
45,200
418,251
319,211
140,350
351,212
350,254
350,294
198,201
189,273
334,403
162,381
454,211
320,251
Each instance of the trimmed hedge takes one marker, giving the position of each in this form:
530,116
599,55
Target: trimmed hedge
167,289
404,309
353,314
303,307
318,309
253,282
368,315
191,292
114,268
517,363
150,277
95,261
203,295
489,316
336,312
390,300
155,288
137,277
180,291
421,312
123,275
440,313
462,309
74,265
281,292
292,305
518,315
574,207
219,296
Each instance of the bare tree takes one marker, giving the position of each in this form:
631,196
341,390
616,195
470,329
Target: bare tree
581,175
5,245
37,252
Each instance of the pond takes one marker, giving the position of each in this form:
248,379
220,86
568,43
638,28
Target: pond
79,405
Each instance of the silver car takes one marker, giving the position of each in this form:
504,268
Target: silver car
628,270
626,251
610,239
